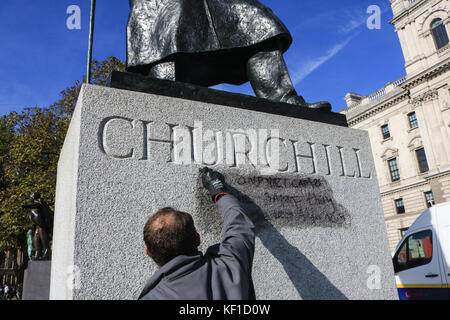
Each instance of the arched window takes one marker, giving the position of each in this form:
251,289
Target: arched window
439,33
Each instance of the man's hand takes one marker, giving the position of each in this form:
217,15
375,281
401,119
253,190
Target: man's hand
214,182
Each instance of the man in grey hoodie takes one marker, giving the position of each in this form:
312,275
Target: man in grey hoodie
222,273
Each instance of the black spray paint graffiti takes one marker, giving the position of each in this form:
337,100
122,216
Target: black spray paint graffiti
280,201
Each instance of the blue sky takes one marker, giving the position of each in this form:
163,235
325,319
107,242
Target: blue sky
333,50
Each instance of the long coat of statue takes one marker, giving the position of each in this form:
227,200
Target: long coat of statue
210,40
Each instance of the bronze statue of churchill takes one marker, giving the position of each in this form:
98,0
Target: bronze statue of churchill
208,42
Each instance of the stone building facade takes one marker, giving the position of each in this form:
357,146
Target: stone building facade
409,119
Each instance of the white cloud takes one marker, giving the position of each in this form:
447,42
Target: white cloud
309,66
356,19
353,24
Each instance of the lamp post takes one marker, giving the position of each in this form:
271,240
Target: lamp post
91,40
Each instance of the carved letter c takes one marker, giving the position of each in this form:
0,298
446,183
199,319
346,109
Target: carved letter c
102,140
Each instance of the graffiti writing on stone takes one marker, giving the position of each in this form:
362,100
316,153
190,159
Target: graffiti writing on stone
281,201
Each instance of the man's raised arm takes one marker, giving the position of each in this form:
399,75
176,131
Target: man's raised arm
238,235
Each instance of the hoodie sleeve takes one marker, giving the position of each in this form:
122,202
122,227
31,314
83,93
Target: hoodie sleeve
238,232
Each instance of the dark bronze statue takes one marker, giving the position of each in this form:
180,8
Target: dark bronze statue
42,217
208,42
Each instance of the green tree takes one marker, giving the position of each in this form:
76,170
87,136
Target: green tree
30,144
6,136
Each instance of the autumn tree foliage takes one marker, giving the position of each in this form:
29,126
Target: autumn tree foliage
30,144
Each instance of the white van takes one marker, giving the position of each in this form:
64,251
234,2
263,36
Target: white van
422,258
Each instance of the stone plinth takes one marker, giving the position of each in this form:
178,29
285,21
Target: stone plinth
310,186
37,280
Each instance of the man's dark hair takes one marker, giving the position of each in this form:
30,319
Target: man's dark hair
170,233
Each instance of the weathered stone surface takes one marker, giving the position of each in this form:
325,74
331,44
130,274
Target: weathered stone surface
310,187
37,280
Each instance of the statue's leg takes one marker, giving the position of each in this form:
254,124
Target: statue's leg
269,77
165,71
37,244
43,235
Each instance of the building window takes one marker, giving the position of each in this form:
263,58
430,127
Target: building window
393,168
422,160
439,33
413,120
385,132
399,206
429,197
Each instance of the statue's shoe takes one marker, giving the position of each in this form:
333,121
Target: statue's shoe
299,101
322,105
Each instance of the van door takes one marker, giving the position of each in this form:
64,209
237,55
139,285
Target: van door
446,255
443,222
417,269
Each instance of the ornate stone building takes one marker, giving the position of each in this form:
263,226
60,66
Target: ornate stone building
409,119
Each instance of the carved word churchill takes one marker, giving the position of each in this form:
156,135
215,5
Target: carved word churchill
122,138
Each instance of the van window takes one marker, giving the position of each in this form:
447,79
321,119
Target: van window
416,250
